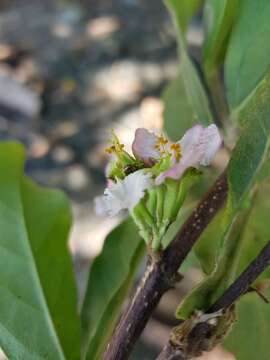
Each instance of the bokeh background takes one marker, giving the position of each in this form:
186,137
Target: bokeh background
69,72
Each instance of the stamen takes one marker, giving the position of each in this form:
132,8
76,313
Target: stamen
160,144
118,147
177,151
110,149
162,140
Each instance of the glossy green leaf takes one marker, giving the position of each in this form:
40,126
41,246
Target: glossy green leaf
109,281
38,317
249,338
218,17
248,55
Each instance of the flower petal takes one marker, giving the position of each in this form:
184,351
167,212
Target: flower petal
143,146
124,194
191,140
212,141
198,147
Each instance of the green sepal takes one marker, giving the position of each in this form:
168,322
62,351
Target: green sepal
160,207
162,165
176,192
161,193
115,171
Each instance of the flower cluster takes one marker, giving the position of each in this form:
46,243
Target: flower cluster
152,182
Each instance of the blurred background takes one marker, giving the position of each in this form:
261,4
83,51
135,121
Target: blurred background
69,72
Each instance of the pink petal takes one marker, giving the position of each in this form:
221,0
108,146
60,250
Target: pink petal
191,139
174,172
212,142
198,147
143,146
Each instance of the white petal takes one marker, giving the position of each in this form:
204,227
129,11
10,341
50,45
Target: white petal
124,194
143,146
105,205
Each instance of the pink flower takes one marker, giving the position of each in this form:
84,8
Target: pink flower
197,147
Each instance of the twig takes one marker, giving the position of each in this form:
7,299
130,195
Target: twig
244,281
239,287
162,275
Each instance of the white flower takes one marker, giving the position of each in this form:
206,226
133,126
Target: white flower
124,194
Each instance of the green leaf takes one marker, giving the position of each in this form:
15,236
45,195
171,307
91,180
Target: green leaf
246,159
38,317
252,145
257,231
206,248
195,91
184,9
249,338
185,100
178,114
109,281
251,309
248,55
263,173
218,19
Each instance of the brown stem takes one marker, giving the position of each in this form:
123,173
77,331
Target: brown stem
160,276
239,287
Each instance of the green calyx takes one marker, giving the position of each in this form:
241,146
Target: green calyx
162,165
160,208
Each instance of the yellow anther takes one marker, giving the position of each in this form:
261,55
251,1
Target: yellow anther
177,151
160,144
162,140
116,143
110,149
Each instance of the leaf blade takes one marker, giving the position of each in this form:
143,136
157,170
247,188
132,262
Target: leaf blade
247,59
218,17
109,280
21,284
